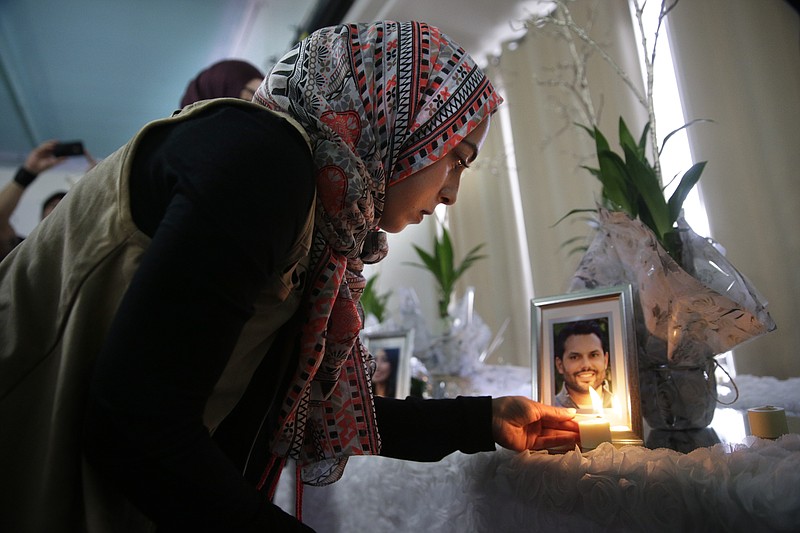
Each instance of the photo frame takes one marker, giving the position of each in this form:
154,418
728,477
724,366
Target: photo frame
610,310
393,348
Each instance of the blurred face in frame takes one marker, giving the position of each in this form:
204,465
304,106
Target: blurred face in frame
383,367
410,200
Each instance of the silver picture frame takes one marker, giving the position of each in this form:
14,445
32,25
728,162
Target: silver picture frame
612,308
397,347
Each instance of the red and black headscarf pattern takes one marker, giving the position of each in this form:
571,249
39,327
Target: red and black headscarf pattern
379,102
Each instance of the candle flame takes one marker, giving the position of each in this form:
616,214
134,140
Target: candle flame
597,400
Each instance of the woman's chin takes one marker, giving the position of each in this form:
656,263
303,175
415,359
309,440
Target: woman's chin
396,227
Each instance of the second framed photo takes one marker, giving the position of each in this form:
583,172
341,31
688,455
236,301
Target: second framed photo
392,352
584,356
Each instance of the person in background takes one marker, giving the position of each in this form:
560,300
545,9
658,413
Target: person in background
581,357
232,78
51,202
39,159
192,324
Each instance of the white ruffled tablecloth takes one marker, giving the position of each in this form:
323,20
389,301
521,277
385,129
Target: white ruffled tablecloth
752,485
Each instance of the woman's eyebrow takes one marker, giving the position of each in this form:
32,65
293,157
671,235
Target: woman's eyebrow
474,149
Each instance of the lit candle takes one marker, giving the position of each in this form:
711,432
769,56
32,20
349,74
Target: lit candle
594,428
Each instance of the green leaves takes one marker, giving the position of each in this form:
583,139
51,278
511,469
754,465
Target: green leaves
632,185
442,265
689,179
372,302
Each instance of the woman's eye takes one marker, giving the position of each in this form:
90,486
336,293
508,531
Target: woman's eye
458,160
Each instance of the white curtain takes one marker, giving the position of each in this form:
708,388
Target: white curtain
739,64
543,165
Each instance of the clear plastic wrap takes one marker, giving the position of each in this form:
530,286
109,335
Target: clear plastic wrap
684,316
687,315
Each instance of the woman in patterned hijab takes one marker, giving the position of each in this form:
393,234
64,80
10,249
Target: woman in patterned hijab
177,329
380,102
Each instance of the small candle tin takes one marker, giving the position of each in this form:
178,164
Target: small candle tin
768,422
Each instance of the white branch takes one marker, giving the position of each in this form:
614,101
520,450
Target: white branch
562,19
569,23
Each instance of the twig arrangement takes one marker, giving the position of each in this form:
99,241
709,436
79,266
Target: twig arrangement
631,181
573,34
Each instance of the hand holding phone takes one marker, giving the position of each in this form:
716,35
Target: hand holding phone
69,149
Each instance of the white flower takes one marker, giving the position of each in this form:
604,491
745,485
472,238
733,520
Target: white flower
601,496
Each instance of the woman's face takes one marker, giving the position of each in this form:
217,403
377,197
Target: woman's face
383,367
408,201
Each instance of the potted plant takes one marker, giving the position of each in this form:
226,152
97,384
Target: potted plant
441,263
631,180
631,184
374,303
691,302
455,353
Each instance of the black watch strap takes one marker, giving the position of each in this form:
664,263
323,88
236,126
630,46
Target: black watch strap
24,177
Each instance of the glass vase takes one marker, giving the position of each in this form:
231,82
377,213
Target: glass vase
678,397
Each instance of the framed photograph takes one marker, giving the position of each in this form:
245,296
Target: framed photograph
392,352
584,356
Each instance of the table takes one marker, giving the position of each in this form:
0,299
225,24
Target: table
721,479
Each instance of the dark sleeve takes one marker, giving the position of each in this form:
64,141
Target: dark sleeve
428,430
179,320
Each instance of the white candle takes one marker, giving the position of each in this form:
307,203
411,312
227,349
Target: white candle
593,426
594,430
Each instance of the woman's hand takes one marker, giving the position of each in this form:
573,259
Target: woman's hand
519,423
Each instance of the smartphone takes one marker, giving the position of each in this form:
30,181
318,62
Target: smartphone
71,148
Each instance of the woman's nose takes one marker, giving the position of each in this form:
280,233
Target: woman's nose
448,196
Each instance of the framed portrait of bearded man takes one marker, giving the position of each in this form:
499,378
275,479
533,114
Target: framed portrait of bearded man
583,351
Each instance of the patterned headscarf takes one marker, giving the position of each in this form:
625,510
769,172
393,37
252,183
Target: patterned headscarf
379,102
